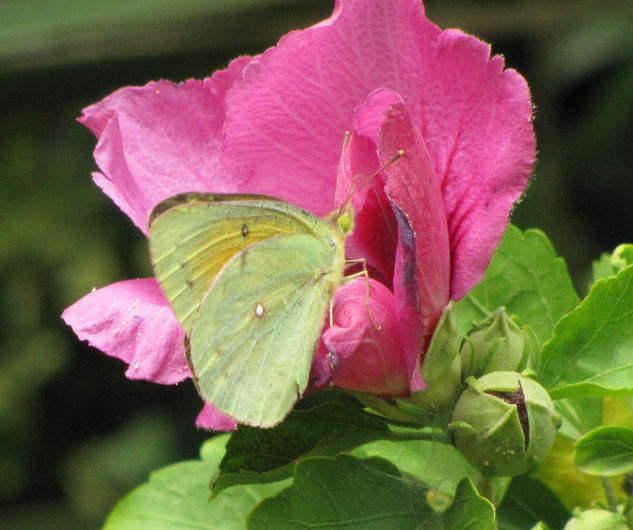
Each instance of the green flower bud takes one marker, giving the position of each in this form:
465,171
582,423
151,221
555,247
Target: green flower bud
498,344
597,520
441,371
435,403
504,423
443,348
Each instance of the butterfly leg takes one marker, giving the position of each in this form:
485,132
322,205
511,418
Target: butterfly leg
364,273
331,313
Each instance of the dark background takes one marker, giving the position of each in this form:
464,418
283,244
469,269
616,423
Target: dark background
75,435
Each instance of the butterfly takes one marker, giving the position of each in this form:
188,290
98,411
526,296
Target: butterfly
250,278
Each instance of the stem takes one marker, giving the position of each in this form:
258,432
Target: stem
609,494
434,436
391,421
486,487
390,412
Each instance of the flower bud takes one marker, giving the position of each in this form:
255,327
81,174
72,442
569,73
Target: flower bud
504,423
441,371
497,344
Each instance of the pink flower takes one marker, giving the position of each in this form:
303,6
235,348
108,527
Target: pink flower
274,123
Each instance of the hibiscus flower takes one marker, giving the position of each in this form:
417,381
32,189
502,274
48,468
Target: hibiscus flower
273,124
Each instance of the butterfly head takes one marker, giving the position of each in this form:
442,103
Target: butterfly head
342,219
345,218
345,221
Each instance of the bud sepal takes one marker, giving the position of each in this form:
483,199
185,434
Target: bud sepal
497,344
441,371
504,423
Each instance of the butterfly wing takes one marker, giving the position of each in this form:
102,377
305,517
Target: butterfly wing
253,340
193,235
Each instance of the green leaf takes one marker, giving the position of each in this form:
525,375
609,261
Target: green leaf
266,455
469,510
526,277
527,502
440,466
213,449
572,487
591,351
603,268
177,496
605,451
345,492
579,416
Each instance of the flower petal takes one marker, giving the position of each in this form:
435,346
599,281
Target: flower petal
214,420
366,351
477,124
421,277
374,237
161,139
321,369
289,112
133,322
274,124
413,189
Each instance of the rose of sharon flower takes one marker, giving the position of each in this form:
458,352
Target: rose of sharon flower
426,225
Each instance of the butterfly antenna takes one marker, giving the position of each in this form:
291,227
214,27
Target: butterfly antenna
381,205
357,186
341,162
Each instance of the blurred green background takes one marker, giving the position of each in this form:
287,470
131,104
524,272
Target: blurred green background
75,435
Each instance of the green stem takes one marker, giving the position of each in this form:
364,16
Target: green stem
612,503
486,487
433,436
391,421
391,412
